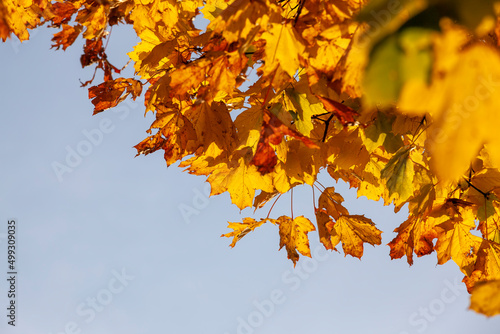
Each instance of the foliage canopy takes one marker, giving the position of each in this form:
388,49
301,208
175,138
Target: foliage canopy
398,98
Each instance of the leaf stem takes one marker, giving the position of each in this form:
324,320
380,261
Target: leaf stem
272,206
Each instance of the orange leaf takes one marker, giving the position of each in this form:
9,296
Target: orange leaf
62,12
344,114
110,93
66,37
414,235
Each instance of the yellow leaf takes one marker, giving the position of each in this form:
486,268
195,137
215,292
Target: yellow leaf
370,184
329,206
283,47
240,179
307,105
17,17
468,116
213,8
456,242
95,19
487,266
213,124
485,298
353,231
398,175
237,21
242,229
293,235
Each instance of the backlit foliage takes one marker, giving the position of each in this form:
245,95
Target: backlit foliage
398,98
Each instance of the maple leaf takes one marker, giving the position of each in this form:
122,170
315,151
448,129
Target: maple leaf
213,125
272,132
414,235
177,137
240,179
242,229
94,18
343,113
456,242
110,93
237,21
293,236
404,58
353,231
331,202
213,8
484,298
380,134
261,199
455,120
63,11
487,265
284,47
306,106
418,125
66,37
18,16
398,175
329,206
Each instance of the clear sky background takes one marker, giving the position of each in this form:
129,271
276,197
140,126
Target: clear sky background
107,250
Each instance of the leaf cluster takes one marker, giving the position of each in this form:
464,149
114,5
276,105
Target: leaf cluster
398,99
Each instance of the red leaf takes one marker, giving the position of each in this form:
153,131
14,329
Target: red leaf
272,132
344,114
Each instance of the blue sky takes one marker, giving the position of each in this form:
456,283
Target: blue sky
104,248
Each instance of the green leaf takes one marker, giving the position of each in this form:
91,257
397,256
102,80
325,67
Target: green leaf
307,105
380,134
398,175
397,59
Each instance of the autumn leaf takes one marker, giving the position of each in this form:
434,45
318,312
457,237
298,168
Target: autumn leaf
398,175
456,242
307,106
331,202
293,236
110,93
237,21
272,132
404,58
271,93
353,231
329,206
16,17
213,8
94,18
284,47
242,229
66,37
343,113
63,11
240,179
414,236
484,298
380,134
460,122
487,265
